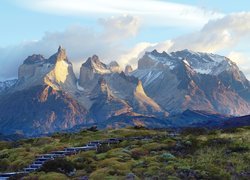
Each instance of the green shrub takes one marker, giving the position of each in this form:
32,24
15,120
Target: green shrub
139,152
58,165
194,131
167,157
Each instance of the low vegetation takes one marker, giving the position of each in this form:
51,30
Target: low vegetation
192,154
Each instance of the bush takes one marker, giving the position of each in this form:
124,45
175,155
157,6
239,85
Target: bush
195,131
238,148
93,129
138,152
103,148
58,165
4,164
167,156
45,176
218,142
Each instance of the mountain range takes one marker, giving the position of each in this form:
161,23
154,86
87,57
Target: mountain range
166,90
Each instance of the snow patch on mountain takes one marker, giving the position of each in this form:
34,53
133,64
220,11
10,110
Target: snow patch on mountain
5,85
80,88
202,63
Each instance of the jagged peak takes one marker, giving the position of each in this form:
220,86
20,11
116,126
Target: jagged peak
94,64
93,60
61,54
155,52
114,67
113,64
128,69
33,59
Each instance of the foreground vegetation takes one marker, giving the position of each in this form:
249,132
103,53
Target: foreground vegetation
193,154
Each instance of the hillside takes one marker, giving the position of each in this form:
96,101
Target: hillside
189,154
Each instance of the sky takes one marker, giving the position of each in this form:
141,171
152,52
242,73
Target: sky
121,30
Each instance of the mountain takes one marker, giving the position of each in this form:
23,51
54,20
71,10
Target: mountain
197,81
128,69
47,97
195,88
5,85
112,92
192,118
236,122
44,98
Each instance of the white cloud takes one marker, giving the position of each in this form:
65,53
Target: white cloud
154,12
132,55
223,35
217,35
243,60
116,28
80,43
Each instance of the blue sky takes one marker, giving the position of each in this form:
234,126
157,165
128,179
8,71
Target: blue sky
122,30
21,24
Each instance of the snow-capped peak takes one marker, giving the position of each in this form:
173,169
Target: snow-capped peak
96,65
114,67
203,63
5,85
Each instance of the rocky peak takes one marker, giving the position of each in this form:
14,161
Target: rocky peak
61,54
94,65
128,69
114,66
35,58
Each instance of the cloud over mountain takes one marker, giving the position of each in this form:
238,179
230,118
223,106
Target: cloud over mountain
79,40
217,36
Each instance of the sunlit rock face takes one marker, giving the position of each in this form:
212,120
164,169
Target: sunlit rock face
43,99
52,99
47,97
62,75
122,93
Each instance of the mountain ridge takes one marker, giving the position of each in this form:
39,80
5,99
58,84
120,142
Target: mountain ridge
165,90
223,90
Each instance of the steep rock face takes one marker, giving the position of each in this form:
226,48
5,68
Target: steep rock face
106,104
51,99
47,97
114,67
47,94
39,110
120,86
198,81
32,71
90,71
128,69
56,71
62,75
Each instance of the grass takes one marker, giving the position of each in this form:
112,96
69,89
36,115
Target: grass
191,155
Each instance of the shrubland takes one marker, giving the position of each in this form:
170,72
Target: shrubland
191,154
